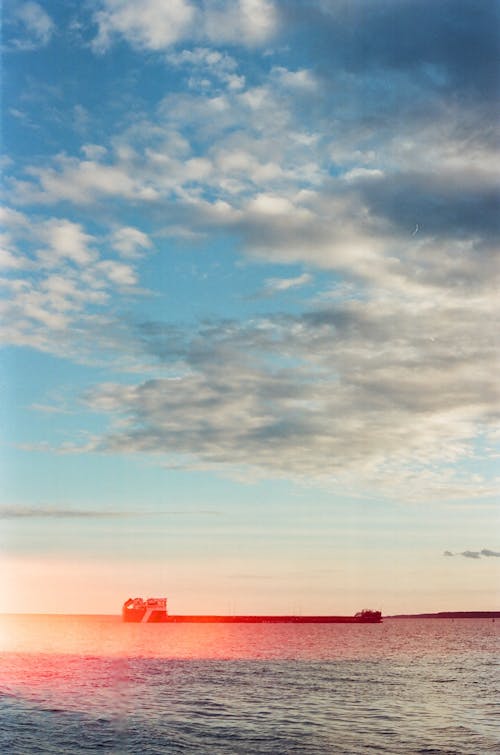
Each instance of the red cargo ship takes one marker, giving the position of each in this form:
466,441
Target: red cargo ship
154,610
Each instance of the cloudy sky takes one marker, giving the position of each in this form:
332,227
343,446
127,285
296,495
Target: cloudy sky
249,304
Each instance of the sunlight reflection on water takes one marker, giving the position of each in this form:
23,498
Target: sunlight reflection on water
109,636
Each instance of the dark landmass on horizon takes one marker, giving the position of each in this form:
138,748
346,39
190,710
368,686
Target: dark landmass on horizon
448,615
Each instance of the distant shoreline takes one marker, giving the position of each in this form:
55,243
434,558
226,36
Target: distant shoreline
448,615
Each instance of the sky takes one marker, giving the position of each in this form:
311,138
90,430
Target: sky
249,305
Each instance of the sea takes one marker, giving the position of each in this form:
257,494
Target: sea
80,684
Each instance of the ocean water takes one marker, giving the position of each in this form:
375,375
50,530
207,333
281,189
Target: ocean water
80,684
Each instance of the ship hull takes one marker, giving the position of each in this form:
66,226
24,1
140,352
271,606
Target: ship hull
154,611
133,616
271,620
138,616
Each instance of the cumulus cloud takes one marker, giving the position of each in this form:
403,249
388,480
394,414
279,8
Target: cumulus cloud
81,182
322,189
207,65
303,79
156,25
205,57
57,281
35,25
130,242
248,146
247,22
10,261
65,241
153,24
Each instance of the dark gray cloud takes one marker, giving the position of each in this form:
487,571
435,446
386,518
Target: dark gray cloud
410,89
452,44
40,512
439,206
486,552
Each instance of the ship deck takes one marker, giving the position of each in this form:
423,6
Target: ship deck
270,619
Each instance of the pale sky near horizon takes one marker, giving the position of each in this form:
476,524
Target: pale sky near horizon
249,273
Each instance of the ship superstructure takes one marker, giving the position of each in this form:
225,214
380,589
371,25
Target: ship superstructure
149,611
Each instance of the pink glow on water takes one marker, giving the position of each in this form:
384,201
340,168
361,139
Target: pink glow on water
108,636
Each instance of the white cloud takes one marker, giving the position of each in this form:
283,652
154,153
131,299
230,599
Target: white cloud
12,222
276,285
94,151
157,25
246,152
82,181
12,218
204,57
10,260
235,168
118,273
65,241
302,79
247,22
130,241
362,173
243,162
268,204
38,27
64,292
210,66
54,295
151,24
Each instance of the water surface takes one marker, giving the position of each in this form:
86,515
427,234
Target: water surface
73,684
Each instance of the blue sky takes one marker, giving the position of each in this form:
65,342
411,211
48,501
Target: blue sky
249,301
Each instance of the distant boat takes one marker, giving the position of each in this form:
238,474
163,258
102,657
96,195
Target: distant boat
154,611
